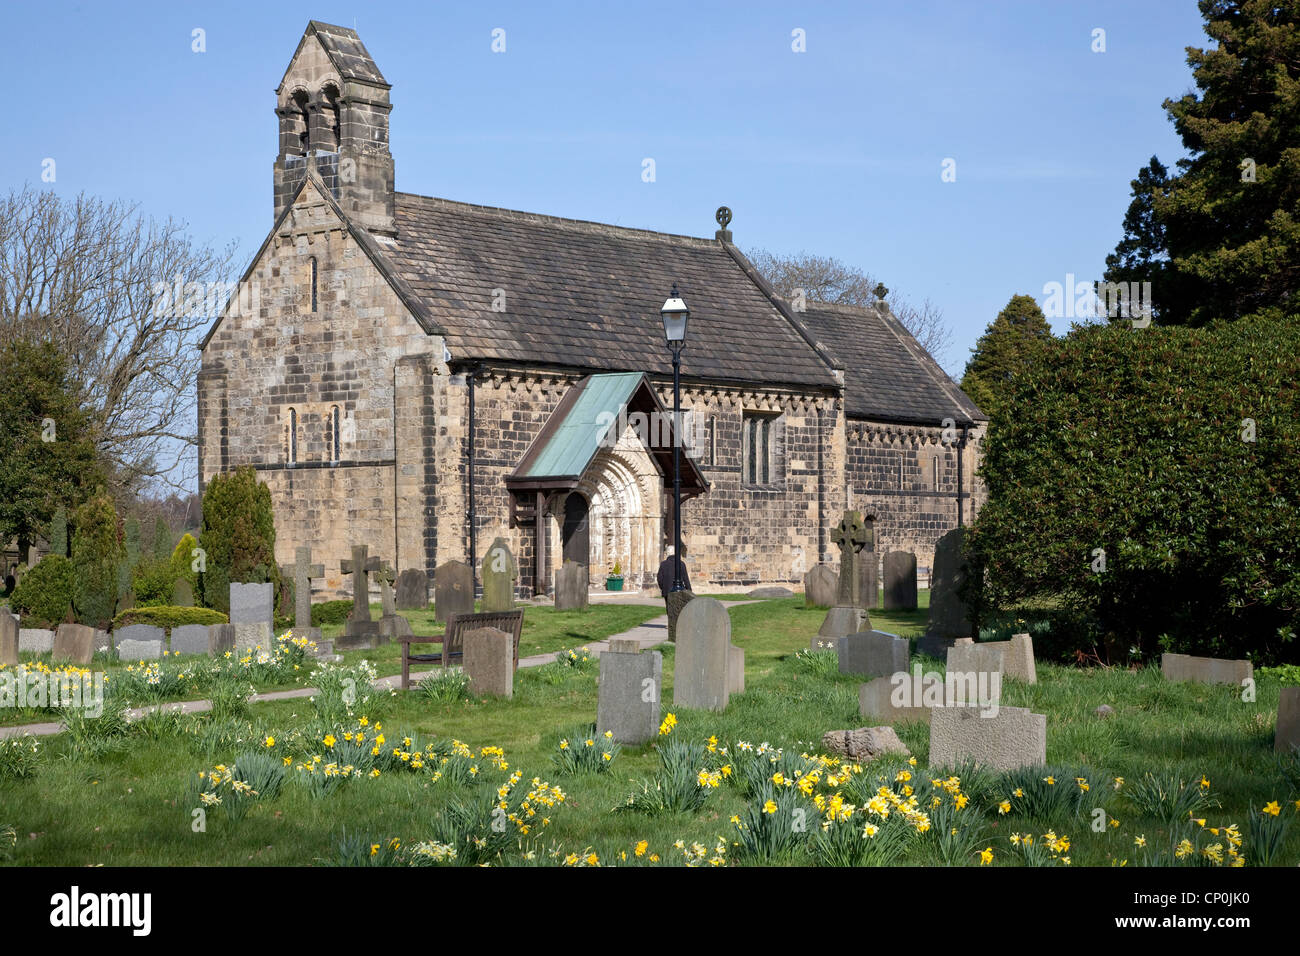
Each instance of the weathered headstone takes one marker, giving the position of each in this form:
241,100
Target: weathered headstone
949,614
412,590
872,653
387,579
74,642
701,677
676,601
453,590
499,573
768,593
869,582
1287,738
1006,740
735,670
103,641
221,639
820,587
302,571
252,603
863,744
251,635
972,658
190,639
630,693
182,593
571,587
489,662
839,622
1017,657
900,581
35,640
1205,670
8,639
886,700
140,642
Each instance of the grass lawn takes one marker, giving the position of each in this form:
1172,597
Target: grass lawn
132,804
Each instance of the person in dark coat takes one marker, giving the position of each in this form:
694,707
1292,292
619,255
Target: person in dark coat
665,575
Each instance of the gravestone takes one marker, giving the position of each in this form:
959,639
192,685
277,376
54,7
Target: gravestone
1006,740
412,590
885,700
387,579
970,658
863,744
221,639
302,571
8,639
900,581
35,640
182,593
848,616
251,635
103,641
1205,670
74,642
453,590
499,573
735,670
629,693
701,677
571,587
360,629
872,653
675,602
190,639
869,582
820,586
1017,657
139,642
1287,738
489,662
768,593
949,614
252,603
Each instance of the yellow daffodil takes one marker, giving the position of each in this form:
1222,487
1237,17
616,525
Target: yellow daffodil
1272,808
986,856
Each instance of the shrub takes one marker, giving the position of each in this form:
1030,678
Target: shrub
330,612
151,581
1136,441
238,536
45,591
168,617
59,532
19,757
96,554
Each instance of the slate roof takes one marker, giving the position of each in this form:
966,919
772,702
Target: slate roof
888,376
587,296
346,51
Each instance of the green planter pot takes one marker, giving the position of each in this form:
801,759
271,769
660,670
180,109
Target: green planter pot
613,584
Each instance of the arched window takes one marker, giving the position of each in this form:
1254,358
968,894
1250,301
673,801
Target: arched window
303,122
334,432
329,132
293,436
313,283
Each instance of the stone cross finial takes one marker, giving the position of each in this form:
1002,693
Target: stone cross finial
360,565
302,571
851,537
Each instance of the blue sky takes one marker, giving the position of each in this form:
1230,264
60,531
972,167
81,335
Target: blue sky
837,150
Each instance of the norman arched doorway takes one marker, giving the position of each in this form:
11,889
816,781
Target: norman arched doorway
576,532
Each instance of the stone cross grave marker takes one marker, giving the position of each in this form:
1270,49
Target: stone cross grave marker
387,578
302,571
851,537
360,566
498,577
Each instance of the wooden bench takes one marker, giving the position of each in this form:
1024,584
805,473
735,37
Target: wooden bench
453,639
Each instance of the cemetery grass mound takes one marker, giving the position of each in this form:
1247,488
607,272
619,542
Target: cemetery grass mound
129,801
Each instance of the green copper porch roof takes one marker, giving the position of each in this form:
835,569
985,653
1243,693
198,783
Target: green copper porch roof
573,440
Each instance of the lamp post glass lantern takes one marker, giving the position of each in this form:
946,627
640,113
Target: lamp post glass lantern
675,315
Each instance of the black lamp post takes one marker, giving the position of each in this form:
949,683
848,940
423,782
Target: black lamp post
675,313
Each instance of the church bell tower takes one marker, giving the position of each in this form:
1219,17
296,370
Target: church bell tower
333,106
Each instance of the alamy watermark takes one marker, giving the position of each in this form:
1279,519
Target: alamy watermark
1091,300
80,691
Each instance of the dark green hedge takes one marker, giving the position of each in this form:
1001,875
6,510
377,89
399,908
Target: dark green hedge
168,617
1130,440
45,592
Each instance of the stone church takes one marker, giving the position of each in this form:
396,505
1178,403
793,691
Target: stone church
422,375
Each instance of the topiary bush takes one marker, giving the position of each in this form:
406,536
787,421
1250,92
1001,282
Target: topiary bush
238,536
97,552
45,591
1172,453
168,617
